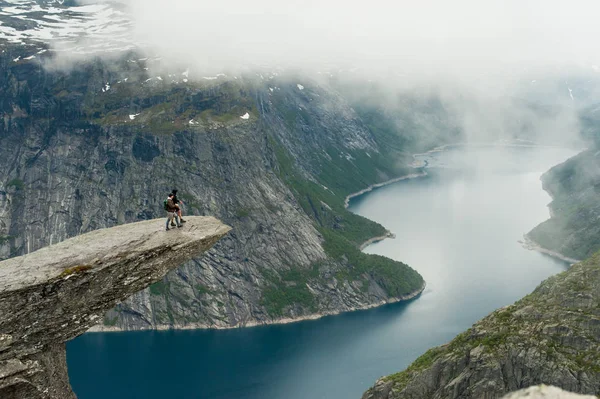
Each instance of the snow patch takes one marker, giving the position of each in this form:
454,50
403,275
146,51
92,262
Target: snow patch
132,117
193,122
245,116
103,27
300,87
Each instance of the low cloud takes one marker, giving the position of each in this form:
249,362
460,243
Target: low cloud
502,67
432,37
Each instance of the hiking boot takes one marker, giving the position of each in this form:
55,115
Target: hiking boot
183,221
180,225
168,228
173,224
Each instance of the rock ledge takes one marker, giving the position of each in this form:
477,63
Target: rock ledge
57,293
545,392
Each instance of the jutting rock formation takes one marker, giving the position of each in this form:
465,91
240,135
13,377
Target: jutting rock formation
57,293
545,392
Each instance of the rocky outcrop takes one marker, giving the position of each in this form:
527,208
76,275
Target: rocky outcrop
57,293
545,392
551,336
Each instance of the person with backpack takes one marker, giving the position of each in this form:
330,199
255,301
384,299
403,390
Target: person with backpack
171,209
177,201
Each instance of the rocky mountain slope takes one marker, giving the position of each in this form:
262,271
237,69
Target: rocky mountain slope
573,230
551,336
103,142
55,294
87,143
545,392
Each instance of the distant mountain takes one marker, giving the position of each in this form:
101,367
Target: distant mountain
573,230
67,26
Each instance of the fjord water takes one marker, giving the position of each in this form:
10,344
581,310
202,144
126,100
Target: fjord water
459,227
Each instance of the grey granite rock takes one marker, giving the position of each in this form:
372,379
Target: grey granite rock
551,336
545,392
57,293
72,161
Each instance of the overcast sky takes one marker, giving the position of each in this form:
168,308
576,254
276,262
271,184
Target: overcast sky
481,57
425,35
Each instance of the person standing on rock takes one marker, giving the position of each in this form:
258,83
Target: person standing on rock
171,209
177,201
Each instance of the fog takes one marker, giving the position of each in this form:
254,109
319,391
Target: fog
484,59
459,38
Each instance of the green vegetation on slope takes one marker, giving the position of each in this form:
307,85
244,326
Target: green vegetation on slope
16,183
288,289
343,233
573,230
553,328
160,107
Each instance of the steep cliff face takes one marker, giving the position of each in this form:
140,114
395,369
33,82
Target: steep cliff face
573,230
551,336
55,294
103,143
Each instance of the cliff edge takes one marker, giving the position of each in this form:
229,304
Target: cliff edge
57,293
545,392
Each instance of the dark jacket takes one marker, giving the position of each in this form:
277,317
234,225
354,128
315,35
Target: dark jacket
171,207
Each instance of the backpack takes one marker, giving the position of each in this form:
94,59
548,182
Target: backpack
165,205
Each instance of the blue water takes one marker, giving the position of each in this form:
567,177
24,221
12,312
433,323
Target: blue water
458,227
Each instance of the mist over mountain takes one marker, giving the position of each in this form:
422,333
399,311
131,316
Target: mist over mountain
504,70
269,115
